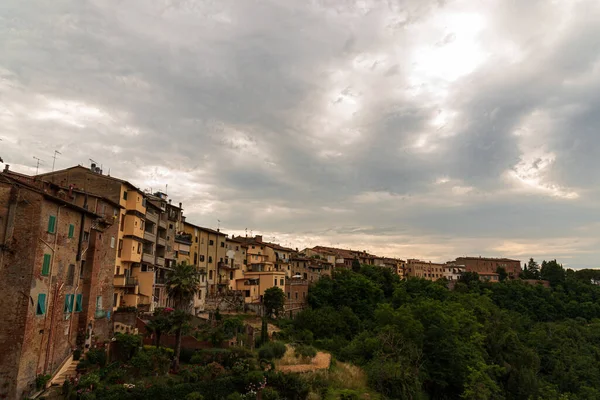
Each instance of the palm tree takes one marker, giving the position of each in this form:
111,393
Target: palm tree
183,282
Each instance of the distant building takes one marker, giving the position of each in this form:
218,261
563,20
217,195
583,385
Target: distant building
424,269
453,272
483,265
489,277
296,292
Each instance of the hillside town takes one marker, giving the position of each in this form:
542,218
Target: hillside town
77,246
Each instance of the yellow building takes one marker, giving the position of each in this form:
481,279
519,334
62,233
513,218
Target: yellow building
235,261
424,269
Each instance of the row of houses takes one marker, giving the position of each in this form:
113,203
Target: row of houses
77,245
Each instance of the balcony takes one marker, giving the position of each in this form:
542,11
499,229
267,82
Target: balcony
161,242
185,238
162,224
160,261
160,280
125,281
223,281
100,314
152,217
148,258
149,236
224,265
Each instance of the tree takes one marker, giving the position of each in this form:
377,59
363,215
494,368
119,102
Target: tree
161,323
183,283
502,272
355,265
273,301
553,272
532,271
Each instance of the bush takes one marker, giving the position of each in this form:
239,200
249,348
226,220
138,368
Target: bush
151,362
96,357
289,386
167,351
270,394
305,351
235,396
89,381
127,345
41,381
194,396
76,355
185,355
272,350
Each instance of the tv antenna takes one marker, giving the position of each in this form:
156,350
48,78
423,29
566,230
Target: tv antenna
218,225
37,167
54,158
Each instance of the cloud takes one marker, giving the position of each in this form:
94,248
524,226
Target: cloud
411,128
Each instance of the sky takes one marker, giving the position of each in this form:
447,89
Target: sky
414,129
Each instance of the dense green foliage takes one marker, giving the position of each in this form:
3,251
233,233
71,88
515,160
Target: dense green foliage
419,340
273,301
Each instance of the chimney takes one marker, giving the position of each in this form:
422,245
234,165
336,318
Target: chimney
6,167
258,238
180,204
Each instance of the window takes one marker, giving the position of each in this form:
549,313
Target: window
296,295
222,244
139,248
122,222
120,247
52,224
275,281
125,195
247,293
144,202
210,274
231,275
70,274
210,259
288,295
98,302
196,239
245,262
71,231
281,282
69,303
253,247
211,242
112,242
86,236
237,248
41,304
78,303
202,257
195,258
46,265
115,299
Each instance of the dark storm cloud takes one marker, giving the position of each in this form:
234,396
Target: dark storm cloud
417,129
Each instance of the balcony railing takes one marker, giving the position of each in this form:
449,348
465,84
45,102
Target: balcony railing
148,258
162,224
161,241
160,280
150,216
149,236
160,261
125,281
185,238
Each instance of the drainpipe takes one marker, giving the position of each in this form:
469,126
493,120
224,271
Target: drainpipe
79,258
50,329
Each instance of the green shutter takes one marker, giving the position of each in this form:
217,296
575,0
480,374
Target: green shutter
46,265
41,304
67,303
71,230
78,303
51,224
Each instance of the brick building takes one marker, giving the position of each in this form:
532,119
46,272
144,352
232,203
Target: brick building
483,265
53,258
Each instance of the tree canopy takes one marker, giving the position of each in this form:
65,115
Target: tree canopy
417,339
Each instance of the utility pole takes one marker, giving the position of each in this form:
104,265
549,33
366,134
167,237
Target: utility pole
37,167
54,158
218,225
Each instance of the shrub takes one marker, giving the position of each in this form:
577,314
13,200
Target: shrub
96,357
186,354
270,394
76,354
235,396
167,351
89,381
289,386
150,362
127,345
41,381
305,351
194,396
272,350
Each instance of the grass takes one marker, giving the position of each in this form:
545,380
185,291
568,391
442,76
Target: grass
342,377
289,358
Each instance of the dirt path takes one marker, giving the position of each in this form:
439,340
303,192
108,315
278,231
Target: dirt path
321,361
